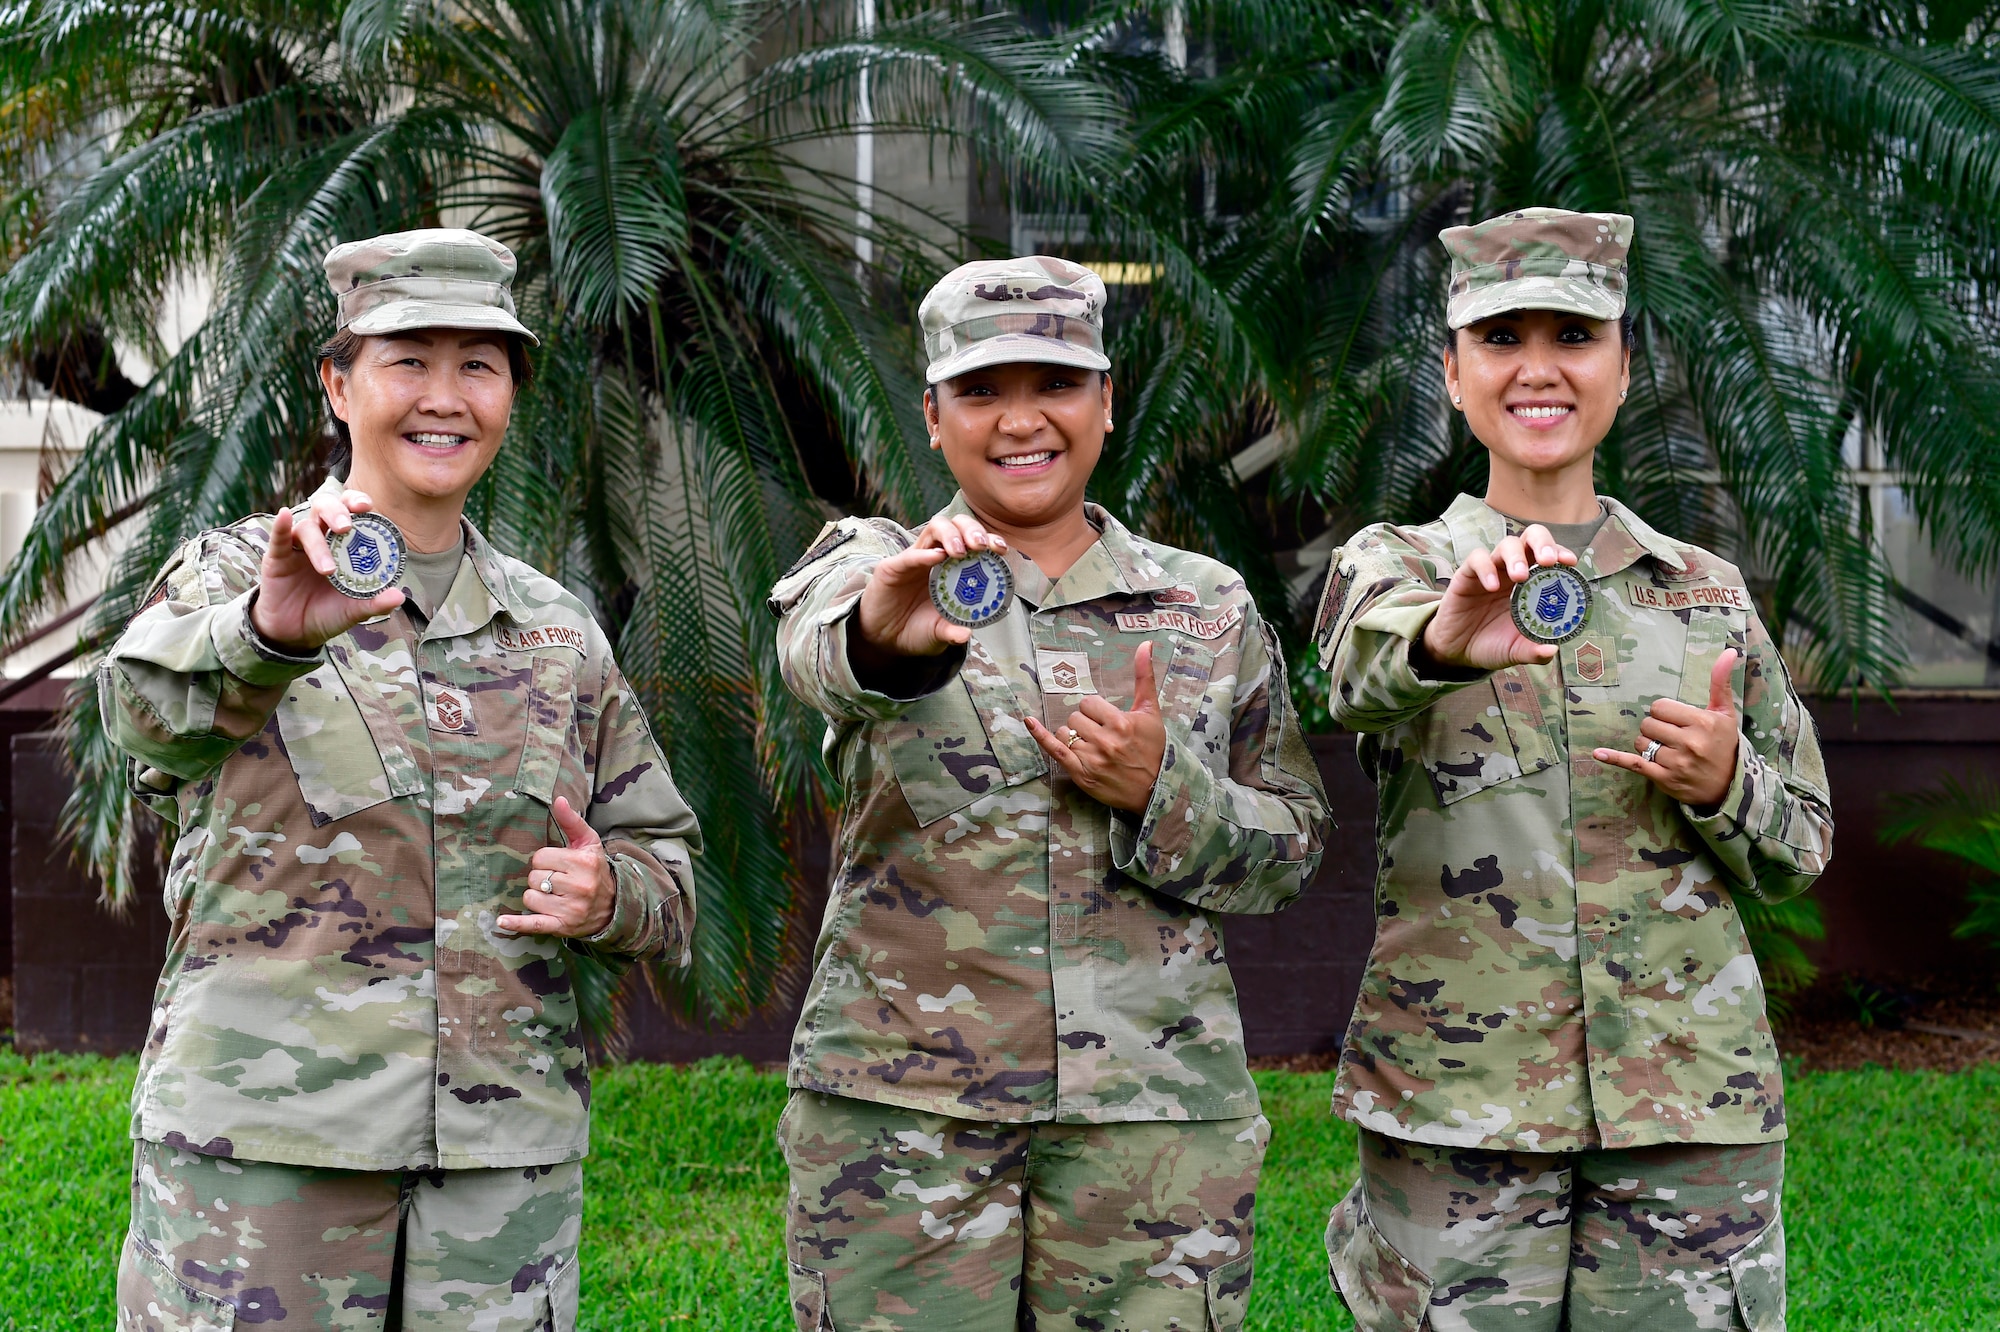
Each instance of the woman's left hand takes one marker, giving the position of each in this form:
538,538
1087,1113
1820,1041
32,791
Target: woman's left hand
1114,756
1688,752
571,889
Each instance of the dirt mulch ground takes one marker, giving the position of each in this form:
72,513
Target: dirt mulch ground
1940,1023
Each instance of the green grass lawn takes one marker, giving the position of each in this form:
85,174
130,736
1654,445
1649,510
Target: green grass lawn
1893,1200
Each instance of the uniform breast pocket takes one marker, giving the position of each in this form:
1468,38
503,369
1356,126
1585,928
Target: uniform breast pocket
1486,734
965,741
345,749
1184,673
553,721
1709,634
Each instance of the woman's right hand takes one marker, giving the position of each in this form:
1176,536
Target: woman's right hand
1474,626
296,607
896,617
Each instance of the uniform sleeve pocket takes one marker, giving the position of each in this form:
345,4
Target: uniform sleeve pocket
1229,1294
808,1287
152,1299
1757,1273
1381,1289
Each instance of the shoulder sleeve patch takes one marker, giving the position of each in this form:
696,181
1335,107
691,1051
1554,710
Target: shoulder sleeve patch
831,538
1339,581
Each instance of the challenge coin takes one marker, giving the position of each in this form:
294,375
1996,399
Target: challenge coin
1553,605
367,557
972,590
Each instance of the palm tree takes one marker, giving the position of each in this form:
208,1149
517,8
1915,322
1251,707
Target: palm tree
1816,279
659,168
1817,194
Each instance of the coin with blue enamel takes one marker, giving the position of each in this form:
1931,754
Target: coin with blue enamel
972,590
1553,605
367,557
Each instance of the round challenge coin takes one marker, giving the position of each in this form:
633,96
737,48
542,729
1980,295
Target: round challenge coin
1553,605
972,590
367,557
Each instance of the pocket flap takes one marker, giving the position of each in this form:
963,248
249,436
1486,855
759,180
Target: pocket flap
1383,1291
151,1297
1229,1294
808,1288
1757,1273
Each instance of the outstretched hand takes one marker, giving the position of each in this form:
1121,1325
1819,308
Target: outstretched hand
296,607
1696,758
1114,756
896,617
572,889
1474,625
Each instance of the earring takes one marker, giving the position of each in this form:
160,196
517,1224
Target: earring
1107,423
1457,401
1621,395
936,443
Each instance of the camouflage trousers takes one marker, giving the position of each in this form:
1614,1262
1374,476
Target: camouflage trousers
901,1221
1457,1239
217,1244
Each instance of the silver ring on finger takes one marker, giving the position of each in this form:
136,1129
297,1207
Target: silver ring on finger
1651,751
549,883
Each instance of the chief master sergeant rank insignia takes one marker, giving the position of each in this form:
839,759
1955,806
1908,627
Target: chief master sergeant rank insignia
1553,605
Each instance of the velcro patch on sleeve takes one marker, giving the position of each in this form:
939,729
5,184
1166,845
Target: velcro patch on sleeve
1194,626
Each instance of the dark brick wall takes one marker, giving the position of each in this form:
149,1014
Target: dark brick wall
83,976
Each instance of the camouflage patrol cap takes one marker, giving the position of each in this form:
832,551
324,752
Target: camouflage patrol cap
1035,308
440,277
1538,259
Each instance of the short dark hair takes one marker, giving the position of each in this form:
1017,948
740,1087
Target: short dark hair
345,345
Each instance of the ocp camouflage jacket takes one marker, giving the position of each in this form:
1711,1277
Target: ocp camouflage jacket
349,825
1000,946
1558,959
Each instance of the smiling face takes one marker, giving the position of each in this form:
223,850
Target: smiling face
426,410
1539,388
1022,439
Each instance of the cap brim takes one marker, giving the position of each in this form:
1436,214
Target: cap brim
1012,349
1568,295
405,316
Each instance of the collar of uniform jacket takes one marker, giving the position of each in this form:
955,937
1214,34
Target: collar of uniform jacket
459,614
1118,563
1475,525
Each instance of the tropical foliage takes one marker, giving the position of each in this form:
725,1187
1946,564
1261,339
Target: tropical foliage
1817,264
1816,281
1961,818
660,170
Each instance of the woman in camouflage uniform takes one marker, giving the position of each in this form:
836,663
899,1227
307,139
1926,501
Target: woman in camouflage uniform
363,1102
1020,1095
1568,1097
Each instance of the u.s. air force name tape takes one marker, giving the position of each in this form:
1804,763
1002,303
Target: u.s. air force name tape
1194,626
367,557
